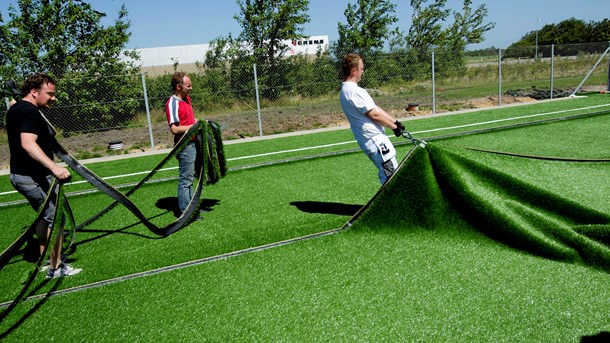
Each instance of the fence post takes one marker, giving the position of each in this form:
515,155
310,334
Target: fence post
258,104
433,86
499,77
608,70
590,72
552,67
150,130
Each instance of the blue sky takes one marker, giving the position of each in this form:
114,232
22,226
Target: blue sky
157,23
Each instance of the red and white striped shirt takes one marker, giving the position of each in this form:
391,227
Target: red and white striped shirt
179,112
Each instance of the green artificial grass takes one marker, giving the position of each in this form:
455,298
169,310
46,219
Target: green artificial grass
365,284
418,265
245,209
511,200
581,139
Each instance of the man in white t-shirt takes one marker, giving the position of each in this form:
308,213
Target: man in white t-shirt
368,120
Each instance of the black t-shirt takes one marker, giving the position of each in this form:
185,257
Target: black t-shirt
25,117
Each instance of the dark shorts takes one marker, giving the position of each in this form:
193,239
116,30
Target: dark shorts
34,189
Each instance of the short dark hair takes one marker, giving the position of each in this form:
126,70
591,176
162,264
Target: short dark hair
177,79
349,62
35,82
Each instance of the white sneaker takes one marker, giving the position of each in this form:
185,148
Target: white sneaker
45,265
63,270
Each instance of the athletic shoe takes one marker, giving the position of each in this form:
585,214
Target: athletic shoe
47,263
63,270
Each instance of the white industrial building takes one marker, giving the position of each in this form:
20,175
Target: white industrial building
190,54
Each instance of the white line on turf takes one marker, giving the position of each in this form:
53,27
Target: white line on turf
350,142
509,119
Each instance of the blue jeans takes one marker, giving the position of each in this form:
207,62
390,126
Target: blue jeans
186,174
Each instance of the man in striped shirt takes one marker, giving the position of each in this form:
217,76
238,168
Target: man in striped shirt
180,117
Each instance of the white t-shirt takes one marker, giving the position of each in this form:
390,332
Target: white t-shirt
355,102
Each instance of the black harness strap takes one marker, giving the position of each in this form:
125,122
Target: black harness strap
211,168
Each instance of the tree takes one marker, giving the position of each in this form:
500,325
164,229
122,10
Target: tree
4,60
221,51
427,29
63,35
367,27
467,27
427,25
267,24
65,39
428,33
569,31
600,31
566,34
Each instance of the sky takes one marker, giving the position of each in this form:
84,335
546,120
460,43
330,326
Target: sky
158,23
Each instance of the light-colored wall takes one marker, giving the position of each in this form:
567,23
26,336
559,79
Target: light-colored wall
161,59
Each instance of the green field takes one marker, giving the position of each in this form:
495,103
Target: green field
459,246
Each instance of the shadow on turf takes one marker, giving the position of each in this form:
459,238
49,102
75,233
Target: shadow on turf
34,309
104,233
327,207
168,204
603,336
171,204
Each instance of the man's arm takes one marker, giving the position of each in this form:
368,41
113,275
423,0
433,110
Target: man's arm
29,144
179,129
378,115
381,117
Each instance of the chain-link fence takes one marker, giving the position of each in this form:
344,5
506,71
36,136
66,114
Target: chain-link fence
301,93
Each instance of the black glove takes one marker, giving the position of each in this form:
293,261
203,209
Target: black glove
10,89
399,128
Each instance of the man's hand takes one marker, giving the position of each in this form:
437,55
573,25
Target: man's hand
61,173
399,128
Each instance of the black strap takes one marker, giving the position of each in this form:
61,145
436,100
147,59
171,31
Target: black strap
213,166
201,129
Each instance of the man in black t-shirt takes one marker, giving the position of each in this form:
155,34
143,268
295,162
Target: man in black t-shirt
32,167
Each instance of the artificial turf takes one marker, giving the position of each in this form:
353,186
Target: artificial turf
362,285
417,265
